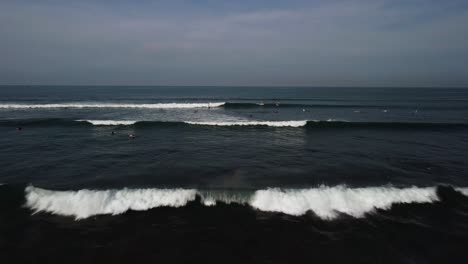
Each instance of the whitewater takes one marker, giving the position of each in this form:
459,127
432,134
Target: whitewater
109,122
324,201
113,105
300,123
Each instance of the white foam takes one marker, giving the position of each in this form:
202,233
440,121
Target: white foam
209,202
212,197
86,203
109,122
329,202
326,202
113,105
252,123
463,190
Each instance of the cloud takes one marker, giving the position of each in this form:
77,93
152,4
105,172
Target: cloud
384,43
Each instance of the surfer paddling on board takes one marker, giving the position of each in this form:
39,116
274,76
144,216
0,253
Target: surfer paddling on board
132,136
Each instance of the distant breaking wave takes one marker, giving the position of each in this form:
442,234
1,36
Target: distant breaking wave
221,123
227,105
109,122
326,202
309,124
113,105
252,123
332,123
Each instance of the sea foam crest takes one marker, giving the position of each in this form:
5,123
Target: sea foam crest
329,202
326,202
86,203
299,123
113,105
109,122
210,198
463,190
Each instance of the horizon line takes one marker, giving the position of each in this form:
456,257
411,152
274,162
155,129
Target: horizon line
237,86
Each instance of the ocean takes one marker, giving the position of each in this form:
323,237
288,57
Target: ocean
233,174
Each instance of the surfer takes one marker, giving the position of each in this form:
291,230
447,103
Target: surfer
19,128
132,136
113,132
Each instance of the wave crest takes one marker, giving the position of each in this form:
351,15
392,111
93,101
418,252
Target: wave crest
299,123
85,203
463,190
109,122
326,202
113,105
309,124
329,202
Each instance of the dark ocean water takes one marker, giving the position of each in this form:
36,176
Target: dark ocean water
233,175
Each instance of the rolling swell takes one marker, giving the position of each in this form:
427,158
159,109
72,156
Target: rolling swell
385,125
296,105
239,105
325,202
227,105
41,122
311,124
45,122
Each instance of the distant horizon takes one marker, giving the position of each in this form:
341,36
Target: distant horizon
299,43
232,86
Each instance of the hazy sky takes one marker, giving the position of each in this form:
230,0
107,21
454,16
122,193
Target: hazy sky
237,42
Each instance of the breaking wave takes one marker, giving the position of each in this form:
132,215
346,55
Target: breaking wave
329,202
113,105
463,190
85,203
325,202
252,123
109,122
284,103
310,124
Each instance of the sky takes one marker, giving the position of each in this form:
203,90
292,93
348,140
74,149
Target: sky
398,43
